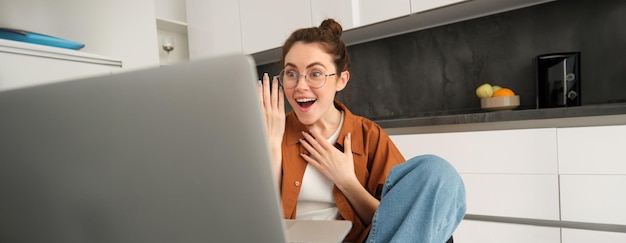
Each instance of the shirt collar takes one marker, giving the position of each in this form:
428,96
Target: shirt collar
351,125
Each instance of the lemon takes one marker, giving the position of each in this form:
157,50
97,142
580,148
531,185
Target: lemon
495,88
484,91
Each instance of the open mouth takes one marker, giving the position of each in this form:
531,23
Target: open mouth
306,102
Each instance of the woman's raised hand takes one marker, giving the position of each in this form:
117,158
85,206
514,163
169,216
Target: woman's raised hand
273,102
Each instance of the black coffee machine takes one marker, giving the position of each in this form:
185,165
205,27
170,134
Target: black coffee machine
558,80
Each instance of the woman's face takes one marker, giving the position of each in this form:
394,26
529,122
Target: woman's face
312,104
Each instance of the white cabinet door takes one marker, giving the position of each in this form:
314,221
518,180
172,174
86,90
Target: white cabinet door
470,231
586,236
425,5
369,12
17,71
593,198
25,64
120,29
341,11
267,24
510,173
592,150
529,151
213,28
355,13
171,10
513,195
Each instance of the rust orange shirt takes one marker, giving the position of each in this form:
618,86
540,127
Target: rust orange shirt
374,155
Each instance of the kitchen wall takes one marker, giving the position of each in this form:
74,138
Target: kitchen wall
435,71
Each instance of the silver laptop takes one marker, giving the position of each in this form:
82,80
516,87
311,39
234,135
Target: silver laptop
170,154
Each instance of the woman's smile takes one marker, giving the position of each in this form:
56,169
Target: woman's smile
305,102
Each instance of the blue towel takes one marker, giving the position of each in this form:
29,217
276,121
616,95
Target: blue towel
35,38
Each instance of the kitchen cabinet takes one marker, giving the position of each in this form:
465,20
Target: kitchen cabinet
592,150
529,151
119,29
586,236
246,26
23,64
519,196
593,173
353,14
379,20
370,12
470,231
266,24
557,175
259,28
516,168
214,28
593,198
418,6
341,11
174,10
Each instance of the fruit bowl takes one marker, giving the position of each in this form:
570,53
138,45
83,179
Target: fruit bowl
503,103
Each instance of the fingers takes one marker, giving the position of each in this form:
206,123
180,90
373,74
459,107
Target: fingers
347,144
333,163
278,95
316,141
275,95
281,95
271,94
311,145
267,102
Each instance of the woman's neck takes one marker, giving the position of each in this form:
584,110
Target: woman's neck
328,124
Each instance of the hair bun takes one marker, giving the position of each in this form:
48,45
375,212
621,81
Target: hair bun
332,26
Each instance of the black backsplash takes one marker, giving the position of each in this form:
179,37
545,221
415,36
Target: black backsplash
436,71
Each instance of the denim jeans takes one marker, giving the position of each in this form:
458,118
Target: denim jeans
423,201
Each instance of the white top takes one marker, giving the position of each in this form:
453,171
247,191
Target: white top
316,201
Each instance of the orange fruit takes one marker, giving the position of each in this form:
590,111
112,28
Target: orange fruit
503,92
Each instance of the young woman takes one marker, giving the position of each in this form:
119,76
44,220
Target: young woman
332,164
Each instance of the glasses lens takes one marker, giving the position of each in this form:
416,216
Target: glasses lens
281,78
288,79
316,78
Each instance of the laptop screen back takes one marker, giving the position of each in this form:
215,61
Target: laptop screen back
170,154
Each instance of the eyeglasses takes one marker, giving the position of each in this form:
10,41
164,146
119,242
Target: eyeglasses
314,78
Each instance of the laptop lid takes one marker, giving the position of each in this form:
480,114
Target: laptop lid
170,154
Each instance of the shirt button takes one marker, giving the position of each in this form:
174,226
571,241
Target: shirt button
297,183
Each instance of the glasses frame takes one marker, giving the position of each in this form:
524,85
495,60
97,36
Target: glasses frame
306,79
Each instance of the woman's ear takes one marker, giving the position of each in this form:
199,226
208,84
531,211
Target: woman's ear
342,81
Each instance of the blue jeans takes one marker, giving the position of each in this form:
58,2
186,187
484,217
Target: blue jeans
423,201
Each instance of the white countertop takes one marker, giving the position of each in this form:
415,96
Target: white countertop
586,115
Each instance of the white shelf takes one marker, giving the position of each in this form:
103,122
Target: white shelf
25,64
23,48
171,25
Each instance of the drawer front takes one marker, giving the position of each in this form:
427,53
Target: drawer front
593,198
592,150
586,236
527,151
523,196
470,231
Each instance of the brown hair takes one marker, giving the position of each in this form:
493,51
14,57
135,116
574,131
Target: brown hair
328,35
